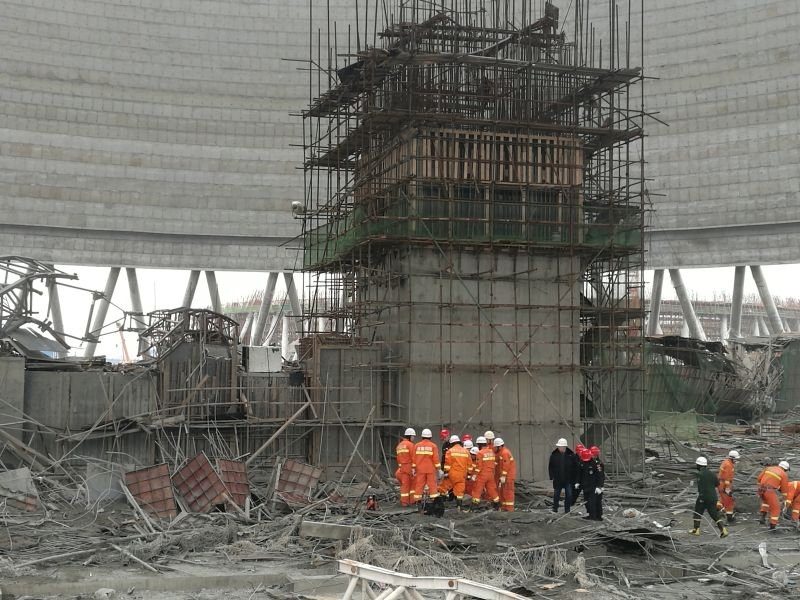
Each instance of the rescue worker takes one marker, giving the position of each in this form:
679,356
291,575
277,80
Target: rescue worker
792,502
467,444
563,473
577,458
466,438
596,510
770,481
425,464
725,489
485,464
489,435
707,483
586,477
505,474
444,437
473,455
457,464
404,474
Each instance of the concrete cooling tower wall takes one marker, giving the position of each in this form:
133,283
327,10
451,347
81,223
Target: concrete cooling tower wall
153,133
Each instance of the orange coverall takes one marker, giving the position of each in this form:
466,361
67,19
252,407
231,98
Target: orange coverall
484,470
470,473
792,499
725,477
425,462
506,467
770,481
404,452
457,463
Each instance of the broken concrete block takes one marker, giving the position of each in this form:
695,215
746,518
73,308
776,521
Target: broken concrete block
19,490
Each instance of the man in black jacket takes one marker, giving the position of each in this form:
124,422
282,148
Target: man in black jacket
563,473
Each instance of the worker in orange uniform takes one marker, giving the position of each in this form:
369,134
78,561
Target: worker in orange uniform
485,464
770,481
425,464
457,465
792,502
404,474
473,455
505,474
725,489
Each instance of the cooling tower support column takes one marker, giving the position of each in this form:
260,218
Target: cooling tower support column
775,324
191,286
736,302
695,328
655,303
102,311
263,311
213,291
294,301
136,300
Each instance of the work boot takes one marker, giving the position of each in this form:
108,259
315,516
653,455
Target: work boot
695,531
772,526
458,505
763,519
496,505
723,532
731,518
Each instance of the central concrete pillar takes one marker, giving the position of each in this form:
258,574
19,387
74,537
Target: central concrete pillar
263,311
191,286
655,303
102,311
736,302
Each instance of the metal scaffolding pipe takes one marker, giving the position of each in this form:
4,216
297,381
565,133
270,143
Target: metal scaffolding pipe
736,302
213,291
263,311
775,324
655,302
191,286
695,328
102,311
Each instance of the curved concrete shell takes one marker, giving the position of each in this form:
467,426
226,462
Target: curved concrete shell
153,133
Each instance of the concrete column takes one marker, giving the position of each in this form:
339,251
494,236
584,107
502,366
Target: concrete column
775,325
756,328
213,291
685,330
245,328
102,310
294,301
285,338
137,316
763,326
695,328
655,302
191,286
723,328
55,305
736,302
263,311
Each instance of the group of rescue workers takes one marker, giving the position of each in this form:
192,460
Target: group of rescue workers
715,494
486,470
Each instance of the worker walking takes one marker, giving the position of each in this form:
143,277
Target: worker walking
425,464
707,483
471,476
726,472
791,502
563,473
770,481
505,475
598,481
485,464
457,464
405,474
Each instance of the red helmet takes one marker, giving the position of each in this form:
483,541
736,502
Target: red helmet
444,435
466,437
579,447
595,451
585,455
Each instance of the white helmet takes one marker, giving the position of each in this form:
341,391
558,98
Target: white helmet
473,450
562,443
489,435
784,465
468,444
426,433
498,442
734,455
410,431
454,439
480,440
701,461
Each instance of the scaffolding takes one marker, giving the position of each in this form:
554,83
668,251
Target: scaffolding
474,215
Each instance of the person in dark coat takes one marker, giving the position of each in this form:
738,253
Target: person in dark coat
563,474
596,480
707,498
